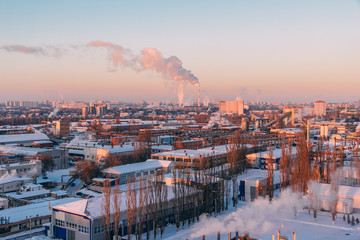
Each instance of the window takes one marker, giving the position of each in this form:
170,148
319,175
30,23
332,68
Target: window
138,174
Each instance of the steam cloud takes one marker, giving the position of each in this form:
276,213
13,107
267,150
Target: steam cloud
261,216
150,58
217,120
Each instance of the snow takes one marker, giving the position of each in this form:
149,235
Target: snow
136,167
92,207
15,150
257,174
55,175
162,147
262,219
39,238
22,195
6,139
41,209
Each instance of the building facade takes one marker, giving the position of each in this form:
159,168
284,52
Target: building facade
231,107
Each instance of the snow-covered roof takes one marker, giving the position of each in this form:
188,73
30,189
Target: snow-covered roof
258,174
92,207
162,147
41,209
22,195
10,179
15,150
190,153
7,139
137,167
127,147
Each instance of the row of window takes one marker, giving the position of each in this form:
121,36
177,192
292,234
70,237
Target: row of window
71,225
100,229
83,229
80,228
59,223
20,170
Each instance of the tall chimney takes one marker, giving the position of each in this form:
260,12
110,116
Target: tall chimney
294,236
199,95
278,237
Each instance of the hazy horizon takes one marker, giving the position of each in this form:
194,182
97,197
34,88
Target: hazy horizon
271,50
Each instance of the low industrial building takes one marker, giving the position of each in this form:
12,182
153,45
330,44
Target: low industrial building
254,184
214,155
135,171
19,219
261,159
22,168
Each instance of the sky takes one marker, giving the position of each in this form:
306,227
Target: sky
274,50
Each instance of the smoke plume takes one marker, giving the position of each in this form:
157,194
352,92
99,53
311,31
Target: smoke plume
149,59
261,217
242,93
217,120
117,55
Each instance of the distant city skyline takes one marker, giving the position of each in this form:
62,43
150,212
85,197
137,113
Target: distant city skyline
269,50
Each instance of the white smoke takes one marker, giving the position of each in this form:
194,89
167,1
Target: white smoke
13,174
54,112
260,216
218,120
8,176
150,58
206,100
242,93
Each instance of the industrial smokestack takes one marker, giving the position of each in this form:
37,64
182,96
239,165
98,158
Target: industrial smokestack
198,95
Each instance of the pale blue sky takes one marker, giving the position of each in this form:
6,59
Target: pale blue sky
296,50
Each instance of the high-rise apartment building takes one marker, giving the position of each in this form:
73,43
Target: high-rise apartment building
319,108
62,127
231,107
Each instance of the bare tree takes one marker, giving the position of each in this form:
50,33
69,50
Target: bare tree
96,128
270,175
47,163
106,208
141,206
116,198
131,205
87,170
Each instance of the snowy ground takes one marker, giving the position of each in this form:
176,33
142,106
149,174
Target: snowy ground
55,175
304,226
